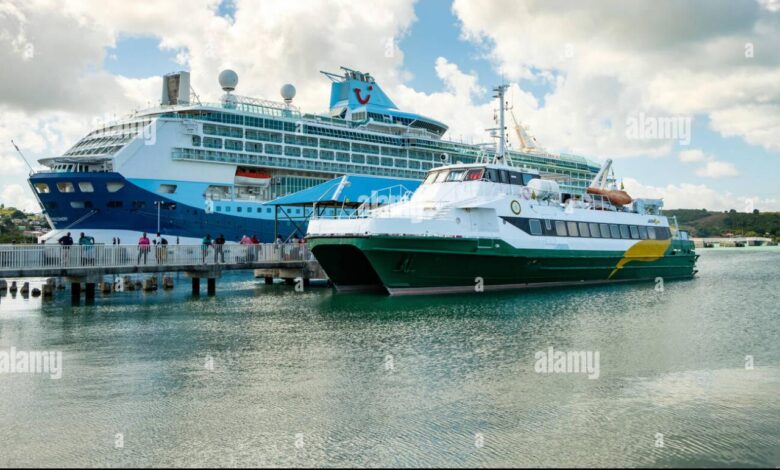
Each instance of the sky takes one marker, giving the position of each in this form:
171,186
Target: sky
683,95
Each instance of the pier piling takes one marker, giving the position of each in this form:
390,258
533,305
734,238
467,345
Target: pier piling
195,286
75,293
90,291
211,286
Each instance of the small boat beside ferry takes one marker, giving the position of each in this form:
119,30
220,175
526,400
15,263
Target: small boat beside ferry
492,225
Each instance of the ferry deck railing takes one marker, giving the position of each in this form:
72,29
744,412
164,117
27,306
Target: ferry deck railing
16,258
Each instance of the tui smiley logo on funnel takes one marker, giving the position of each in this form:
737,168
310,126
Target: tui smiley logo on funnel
359,96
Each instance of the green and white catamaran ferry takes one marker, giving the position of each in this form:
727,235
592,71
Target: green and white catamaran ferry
492,225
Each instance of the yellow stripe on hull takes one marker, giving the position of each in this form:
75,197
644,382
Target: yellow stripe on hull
644,250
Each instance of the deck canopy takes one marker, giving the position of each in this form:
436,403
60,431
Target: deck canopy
347,191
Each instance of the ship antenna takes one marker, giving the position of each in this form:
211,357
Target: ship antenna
23,157
500,93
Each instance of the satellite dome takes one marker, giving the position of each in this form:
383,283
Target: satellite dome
288,92
228,80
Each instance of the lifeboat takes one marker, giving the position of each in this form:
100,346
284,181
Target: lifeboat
252,177
616,197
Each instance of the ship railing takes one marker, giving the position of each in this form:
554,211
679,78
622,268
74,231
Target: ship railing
16,258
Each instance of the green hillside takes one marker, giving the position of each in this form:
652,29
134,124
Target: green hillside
704,223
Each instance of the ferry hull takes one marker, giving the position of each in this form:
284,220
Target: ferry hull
427,265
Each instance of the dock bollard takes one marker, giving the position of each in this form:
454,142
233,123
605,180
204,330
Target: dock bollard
36,292
13,287
150,284
3,285
25,290
48,289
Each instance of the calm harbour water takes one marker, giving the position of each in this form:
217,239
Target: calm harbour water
322,379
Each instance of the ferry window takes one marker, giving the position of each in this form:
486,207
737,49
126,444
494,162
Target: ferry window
536,226
114,186
239,209
440,176
527,177
431,176
594,230
114,204
475,174
604,230
515,178
634,231
643,232
52,205
77,204
503,176
614,231
455,175
651,233
42,188
227,209
86,187
548,225
139,204
583,229
624,232
196,141
219,208
560,228
65,187
491,174
249,209
572,226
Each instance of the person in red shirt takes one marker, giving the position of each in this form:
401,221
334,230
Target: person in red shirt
143,247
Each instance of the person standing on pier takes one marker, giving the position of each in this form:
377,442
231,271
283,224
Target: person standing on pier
257,248
66,241
246,243
143,247
219,244
204,247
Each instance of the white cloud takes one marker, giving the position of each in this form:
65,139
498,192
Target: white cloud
712,168
716,169
617,58
14,195
699,196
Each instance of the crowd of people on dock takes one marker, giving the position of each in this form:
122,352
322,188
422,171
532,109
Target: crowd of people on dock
283,250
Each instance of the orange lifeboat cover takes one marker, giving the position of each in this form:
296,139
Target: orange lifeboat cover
615,196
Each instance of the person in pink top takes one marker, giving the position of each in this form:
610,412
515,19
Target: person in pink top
247,242
143,247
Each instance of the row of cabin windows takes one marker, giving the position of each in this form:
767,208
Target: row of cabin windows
562,228
478,174
268,210
84,187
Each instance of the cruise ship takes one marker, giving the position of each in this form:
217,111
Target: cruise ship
188,168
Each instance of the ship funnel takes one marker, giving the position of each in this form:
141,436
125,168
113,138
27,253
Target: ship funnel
176,89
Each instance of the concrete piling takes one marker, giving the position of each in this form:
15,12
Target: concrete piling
13,289
150,284
167,282
3,285
48,290
212,286
90,291
105,287
75,293
36,292
195,286
25,290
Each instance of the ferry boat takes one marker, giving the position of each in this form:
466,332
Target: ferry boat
188,168
492,225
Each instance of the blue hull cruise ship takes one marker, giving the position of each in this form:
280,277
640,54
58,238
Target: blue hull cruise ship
188,168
